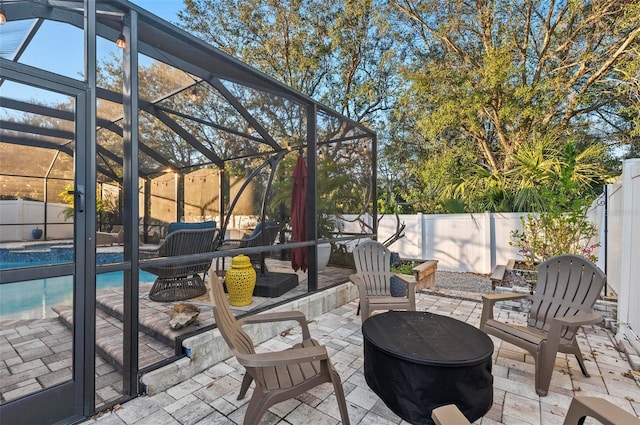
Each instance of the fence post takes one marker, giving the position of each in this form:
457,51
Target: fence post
489,243
21,218
423,236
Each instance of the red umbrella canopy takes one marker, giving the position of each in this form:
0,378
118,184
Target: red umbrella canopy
299,260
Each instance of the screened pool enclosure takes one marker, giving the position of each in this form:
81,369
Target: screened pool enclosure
114,125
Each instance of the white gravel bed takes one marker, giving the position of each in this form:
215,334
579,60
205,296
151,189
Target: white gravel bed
463,285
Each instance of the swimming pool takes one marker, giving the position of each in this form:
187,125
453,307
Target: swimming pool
34,299
43,254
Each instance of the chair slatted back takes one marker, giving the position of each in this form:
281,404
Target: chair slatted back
567,284
373,264
231,331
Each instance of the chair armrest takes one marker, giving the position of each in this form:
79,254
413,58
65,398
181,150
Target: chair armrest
282,316
283,358
558,323
579,319
449,414
555,335
355,278
599,408
488,301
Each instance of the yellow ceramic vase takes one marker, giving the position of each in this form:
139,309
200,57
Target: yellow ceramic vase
240,280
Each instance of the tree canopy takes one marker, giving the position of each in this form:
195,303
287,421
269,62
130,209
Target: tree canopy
489,79
479,105
344,54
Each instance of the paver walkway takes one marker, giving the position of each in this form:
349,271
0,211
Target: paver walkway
210,397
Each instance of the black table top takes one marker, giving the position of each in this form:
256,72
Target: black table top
426,338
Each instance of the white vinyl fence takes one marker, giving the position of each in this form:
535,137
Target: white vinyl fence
623,236
19,217
460,242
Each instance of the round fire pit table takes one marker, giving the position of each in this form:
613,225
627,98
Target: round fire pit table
417,361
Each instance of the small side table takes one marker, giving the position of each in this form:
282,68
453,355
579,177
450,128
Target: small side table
416,361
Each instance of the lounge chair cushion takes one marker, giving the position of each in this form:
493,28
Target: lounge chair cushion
398,287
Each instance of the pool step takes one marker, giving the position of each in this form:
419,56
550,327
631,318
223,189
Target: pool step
109,341
153,317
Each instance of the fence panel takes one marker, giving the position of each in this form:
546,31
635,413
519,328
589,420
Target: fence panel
460,242
628,313
19,217
613,238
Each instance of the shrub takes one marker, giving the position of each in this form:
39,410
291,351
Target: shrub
548,234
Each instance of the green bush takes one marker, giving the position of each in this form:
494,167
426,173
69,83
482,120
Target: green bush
548,234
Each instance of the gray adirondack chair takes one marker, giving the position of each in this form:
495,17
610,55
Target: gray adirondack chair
373,277
567,288
278,376
580,408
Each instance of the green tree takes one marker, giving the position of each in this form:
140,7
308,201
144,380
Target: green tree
488,76
342,53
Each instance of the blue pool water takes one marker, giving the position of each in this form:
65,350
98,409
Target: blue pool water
34,299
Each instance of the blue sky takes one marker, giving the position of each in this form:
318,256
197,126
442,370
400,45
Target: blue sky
166,9
45,48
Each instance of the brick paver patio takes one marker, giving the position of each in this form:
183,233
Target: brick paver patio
210,397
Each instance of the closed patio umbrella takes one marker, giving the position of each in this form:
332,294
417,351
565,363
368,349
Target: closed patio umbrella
299,259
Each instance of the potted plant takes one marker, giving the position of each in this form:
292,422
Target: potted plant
326,227
36,233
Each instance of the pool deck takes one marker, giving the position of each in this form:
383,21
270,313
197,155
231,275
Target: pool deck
36,354
210,397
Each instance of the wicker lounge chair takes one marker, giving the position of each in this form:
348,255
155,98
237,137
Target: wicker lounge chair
567,289
374,277
104,238
181,280
262,235
278,376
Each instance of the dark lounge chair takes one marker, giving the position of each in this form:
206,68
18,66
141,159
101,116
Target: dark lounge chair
181,280
263,235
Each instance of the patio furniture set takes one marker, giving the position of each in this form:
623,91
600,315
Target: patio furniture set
427,368
417,362
181,280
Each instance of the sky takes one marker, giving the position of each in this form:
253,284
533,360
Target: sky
166,9
69,61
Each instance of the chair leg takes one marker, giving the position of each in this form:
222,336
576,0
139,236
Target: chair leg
342,404
605,412
579,358
576,414
246,382
364,313
545,363
256,409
